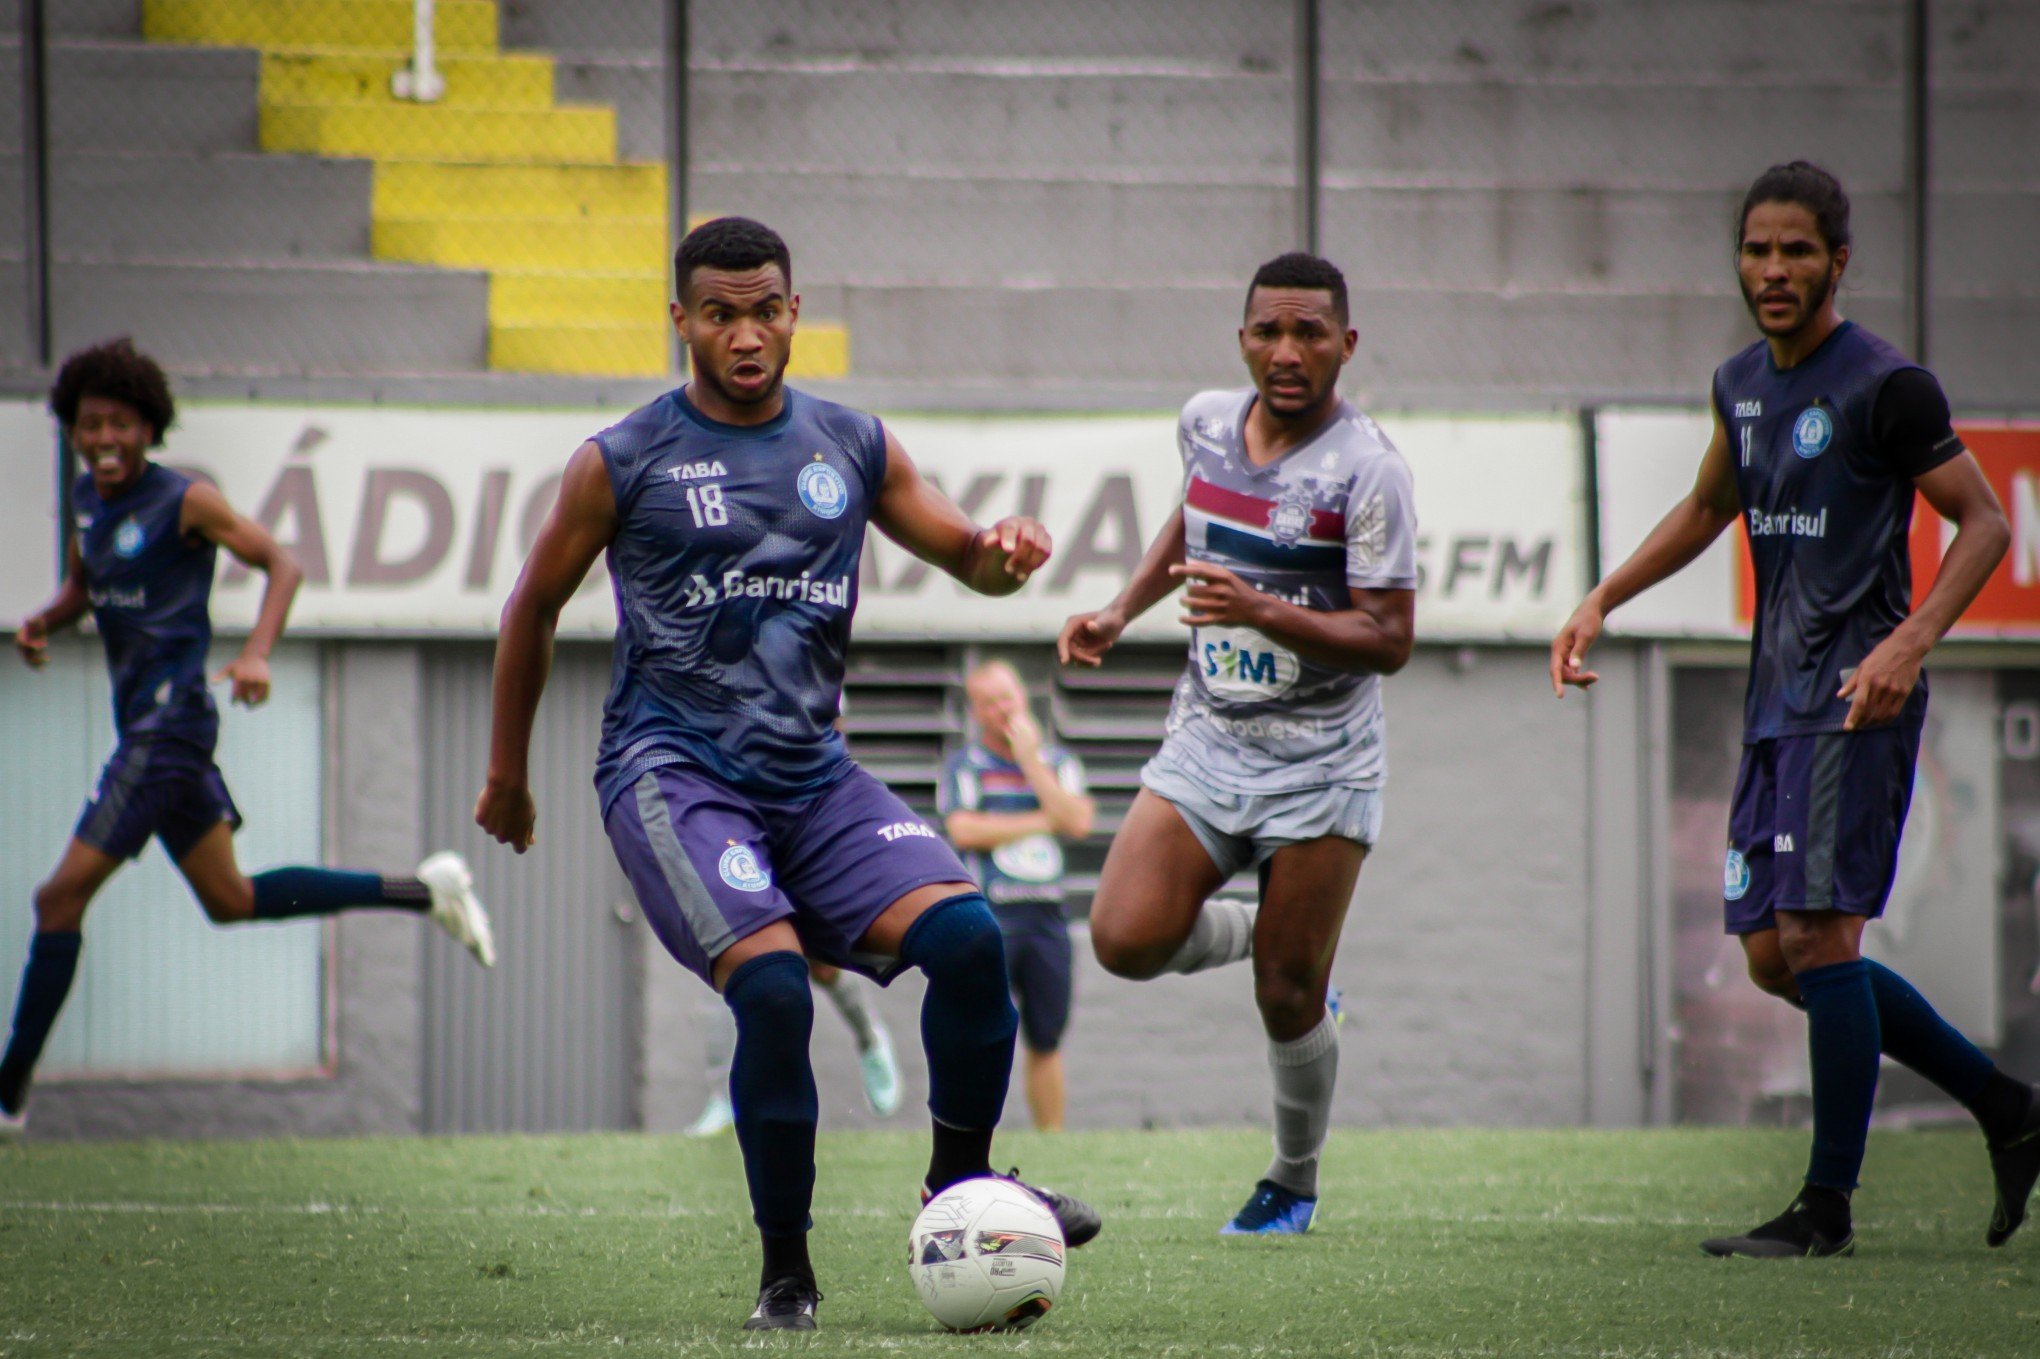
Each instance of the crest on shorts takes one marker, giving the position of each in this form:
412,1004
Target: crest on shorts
1289,518
1735,876
740,869
1812,432
822,489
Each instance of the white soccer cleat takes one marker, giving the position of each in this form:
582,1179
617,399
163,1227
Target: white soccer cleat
13,1127
455,908
881,1072
716,1119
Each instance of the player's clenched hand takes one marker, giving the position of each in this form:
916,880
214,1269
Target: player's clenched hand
1216,597
508,814
250,676
33,642
1569,649
1878,688
1086,637
1020,544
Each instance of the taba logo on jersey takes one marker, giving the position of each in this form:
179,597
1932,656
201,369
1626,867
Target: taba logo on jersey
740,869
1748,410
1788,524
128,539
822,489
695,471
1812,432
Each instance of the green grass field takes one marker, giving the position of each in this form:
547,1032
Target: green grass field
1429,1243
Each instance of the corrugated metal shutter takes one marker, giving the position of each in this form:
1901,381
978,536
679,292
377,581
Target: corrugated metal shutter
546,1042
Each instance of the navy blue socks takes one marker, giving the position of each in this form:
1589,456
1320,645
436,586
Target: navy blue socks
45,981
286,893
772,1092
1842,1034
1915,1036
967,1026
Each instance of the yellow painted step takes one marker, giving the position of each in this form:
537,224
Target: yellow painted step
459,26
519,243
588,350
532,296
421,189
507,82
821,349
426,132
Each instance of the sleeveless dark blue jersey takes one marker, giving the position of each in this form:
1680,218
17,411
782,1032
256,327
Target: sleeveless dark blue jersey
735,571
1828,506
151,588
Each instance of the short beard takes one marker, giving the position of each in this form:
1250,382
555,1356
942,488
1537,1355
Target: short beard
701,372
1814,302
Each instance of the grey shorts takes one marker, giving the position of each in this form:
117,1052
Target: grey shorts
1240,830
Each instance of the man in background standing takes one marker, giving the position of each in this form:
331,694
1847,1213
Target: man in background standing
1006,800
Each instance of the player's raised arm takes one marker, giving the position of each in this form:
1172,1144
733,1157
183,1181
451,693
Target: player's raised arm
581,524
66,607
206,514
914,513
1680,536
1086,637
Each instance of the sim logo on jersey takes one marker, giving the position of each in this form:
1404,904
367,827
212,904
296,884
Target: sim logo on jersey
822,489
128,538
740,869
1240,664
1812,432
1735,876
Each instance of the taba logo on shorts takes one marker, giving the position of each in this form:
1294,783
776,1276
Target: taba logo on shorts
740,869
1735,877
902,829
128,539
1812,432
822,489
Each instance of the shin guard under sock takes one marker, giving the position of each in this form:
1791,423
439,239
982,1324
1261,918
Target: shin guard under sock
772,1088
287,893
967,1026
1306,1072
1915,1036
45,981
1842,1037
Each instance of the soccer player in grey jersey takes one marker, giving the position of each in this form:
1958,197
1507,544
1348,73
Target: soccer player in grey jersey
1297,539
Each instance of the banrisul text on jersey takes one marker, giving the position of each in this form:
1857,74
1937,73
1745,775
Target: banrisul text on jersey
735,572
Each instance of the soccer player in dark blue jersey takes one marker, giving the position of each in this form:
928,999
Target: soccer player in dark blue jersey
732,511
142,564
1822,434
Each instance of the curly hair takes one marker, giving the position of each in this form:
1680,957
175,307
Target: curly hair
1810,187
732,243
117,371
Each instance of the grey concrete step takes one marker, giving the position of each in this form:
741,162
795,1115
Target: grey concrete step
226,207
93,18
270,319
133,96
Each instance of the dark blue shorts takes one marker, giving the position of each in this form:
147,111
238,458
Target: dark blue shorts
170,791
1038,966
1815,823
711,865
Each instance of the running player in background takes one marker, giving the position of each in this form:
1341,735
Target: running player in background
1006,799
142,564
1297,538
1822,434
733,512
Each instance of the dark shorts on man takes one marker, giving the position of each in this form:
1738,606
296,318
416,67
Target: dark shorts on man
167,789
1039,962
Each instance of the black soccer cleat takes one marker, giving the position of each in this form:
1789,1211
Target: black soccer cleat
786,1304
1079,1220
1790,1235
2015,1165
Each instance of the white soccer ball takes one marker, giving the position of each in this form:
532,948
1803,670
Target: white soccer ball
986,1255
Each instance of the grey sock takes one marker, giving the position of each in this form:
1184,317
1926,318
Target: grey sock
1306,1071
848,997
1224,933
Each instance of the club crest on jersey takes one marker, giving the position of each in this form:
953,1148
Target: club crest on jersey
740,869
1735,877
822,489
1812,432
1289,517
128,539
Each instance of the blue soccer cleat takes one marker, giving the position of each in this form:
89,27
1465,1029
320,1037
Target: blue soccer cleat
1272,1211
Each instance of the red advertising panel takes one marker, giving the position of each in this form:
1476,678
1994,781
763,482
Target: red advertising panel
2010,602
